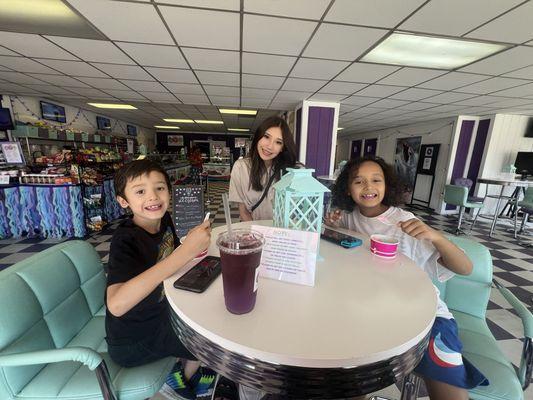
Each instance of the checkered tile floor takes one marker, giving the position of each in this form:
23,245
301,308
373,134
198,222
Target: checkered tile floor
513,265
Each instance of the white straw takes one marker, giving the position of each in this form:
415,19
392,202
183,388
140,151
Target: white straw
227,213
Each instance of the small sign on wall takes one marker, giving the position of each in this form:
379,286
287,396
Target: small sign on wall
175,140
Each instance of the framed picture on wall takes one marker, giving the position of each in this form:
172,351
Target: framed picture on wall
175,140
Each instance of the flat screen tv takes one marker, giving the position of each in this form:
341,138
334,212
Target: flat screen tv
5,120
53,112
524,163
529,128
132,130
103,123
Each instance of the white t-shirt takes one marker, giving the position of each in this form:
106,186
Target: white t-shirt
422,252
240,190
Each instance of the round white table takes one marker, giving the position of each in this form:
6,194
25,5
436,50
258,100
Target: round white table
364,325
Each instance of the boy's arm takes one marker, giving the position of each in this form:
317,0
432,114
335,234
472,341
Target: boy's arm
452,257
122,297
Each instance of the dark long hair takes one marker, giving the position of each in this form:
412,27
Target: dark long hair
340,192
287,158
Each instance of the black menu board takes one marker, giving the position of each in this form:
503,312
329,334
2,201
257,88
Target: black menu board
188,207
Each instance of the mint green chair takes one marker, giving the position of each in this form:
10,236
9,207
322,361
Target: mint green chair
467,298
52,332
526,206
457,195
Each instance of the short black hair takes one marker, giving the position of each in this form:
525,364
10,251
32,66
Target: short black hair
135,169
340,191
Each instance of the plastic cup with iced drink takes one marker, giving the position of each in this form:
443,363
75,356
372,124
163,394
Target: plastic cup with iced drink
240,254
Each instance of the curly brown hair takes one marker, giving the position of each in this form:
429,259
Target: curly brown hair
341,189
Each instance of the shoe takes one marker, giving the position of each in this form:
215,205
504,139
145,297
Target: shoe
176,382
203,382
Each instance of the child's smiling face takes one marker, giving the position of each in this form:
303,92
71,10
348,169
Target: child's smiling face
367,188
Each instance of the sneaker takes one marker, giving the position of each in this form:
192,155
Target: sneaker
203,382
176,383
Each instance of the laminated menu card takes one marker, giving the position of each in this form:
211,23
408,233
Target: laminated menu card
288,255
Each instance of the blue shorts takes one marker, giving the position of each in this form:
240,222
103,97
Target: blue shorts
443,361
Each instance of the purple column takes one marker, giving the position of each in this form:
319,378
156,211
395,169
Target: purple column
477,152
298,130
370,147
356,149
319,138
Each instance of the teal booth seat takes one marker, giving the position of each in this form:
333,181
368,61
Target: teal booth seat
52,332
467,298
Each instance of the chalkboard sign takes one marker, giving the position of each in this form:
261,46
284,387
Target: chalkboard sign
188,208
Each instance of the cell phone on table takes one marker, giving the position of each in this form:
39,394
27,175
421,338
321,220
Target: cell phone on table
199,277
341,239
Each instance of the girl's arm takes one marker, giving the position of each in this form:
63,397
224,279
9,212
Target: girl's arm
452,257
244,214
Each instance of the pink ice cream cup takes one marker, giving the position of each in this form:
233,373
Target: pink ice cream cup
384,246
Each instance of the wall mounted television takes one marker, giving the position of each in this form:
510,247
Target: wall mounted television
103,123
524,163
53,112
6,123
529,128
132,130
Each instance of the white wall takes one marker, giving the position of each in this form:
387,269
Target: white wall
432,132
27,110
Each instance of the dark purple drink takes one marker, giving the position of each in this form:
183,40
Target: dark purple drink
240,256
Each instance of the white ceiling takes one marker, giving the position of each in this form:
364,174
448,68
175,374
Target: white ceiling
185,58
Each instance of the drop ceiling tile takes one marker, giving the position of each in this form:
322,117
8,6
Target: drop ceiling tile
185,88
89,92
7,52
365,73
33,46
172,75
513,102
506,61
228,91
355,41
218,4
345,88
379,90
59,80
154,55
124,71
449,97
513,27
317,69
193,99
251,102
491,85
446,108
524,73
258,93
225,100
49,89
163,97
265,64
389,103
219,29
22,64
131,22
410,76
125,94
294,8
415,94
452,81
218,78
213,60
17,77
270,35
285,96
104,83
144,86
520,91
283,105
327,97
303,85
455,17
382,13
92,50
416,106
261,81
479,101
360,100
74,68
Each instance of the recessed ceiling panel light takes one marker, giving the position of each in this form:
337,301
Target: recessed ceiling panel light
232,111
115,106
183,121
238,130
429,52
207,121
166,127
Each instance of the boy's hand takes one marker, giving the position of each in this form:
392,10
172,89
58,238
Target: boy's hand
198,238
419,230
333,218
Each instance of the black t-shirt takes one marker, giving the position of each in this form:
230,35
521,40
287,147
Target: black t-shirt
133,251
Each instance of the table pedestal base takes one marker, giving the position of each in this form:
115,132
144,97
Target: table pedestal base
299,382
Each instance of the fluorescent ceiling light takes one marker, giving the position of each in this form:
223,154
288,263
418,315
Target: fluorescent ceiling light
232,111
166,127
183,121
115,106
429,52
207,121
238,130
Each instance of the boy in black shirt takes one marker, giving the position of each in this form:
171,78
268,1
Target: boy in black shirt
143,254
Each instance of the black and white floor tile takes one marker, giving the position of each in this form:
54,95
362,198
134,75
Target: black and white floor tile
513,265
